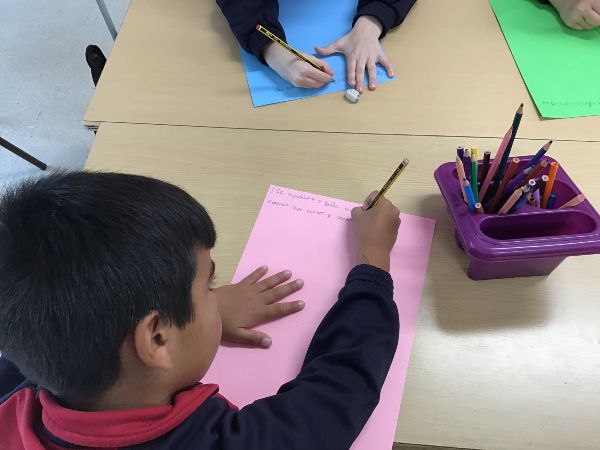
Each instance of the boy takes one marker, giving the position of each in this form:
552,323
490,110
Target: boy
374,18
106,305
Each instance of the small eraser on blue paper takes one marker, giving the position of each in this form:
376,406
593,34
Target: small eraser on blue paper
352,95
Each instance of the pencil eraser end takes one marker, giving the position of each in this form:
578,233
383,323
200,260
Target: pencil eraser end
258,26
352,95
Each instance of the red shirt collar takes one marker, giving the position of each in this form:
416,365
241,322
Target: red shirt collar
124,427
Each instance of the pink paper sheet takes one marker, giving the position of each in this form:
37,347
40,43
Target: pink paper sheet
312,236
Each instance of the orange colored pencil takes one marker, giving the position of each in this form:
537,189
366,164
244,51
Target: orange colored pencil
550,183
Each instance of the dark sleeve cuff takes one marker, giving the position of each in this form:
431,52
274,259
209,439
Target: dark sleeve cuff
389,13
257,40
385,14
365,274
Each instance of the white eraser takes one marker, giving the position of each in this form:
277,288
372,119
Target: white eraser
353,95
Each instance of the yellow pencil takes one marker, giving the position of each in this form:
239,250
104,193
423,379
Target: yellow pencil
388,183
290,49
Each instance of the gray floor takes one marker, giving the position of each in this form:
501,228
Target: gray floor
45,83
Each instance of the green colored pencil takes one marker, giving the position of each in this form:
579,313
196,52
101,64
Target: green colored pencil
474,171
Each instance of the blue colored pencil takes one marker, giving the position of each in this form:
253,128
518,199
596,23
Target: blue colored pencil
551,201
539,155
520,202
460,151
470,196
467,163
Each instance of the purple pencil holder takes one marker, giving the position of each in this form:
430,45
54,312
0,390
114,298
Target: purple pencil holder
529,242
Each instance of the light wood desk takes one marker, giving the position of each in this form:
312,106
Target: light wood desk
500,364
176,62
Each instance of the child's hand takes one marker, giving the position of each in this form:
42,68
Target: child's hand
294,70
363,51
579,14
251,302
376,231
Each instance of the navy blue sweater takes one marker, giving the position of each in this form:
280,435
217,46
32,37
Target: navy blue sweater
243,15
324,407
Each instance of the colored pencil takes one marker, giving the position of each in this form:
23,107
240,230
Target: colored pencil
542,186
460,172
486,165
474,171
479,208
495,164
515,196
515,127
388,183
550,183
536,196
288,47
574,201
551,201
460,151
512,168
522,200
541,152
533,172
470,196
527,174
533,185
467,163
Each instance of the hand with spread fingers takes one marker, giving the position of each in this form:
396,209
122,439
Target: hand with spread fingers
363,51
579,14
253,301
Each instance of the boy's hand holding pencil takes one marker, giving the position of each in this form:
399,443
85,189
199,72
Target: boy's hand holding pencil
300,69
376,230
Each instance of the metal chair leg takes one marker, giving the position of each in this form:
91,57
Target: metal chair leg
109,23
23,154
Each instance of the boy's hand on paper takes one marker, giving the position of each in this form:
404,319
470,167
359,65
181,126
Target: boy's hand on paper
363,52
376,231
294,70
579,14
253,301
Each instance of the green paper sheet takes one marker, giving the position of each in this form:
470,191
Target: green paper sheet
560,66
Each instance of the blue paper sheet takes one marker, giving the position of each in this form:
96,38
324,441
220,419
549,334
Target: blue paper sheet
307,23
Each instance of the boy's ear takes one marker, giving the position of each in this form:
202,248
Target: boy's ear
150,340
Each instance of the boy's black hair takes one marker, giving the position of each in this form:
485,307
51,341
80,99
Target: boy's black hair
83,258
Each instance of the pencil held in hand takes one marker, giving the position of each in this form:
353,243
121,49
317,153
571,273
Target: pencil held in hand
289,48
389,183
